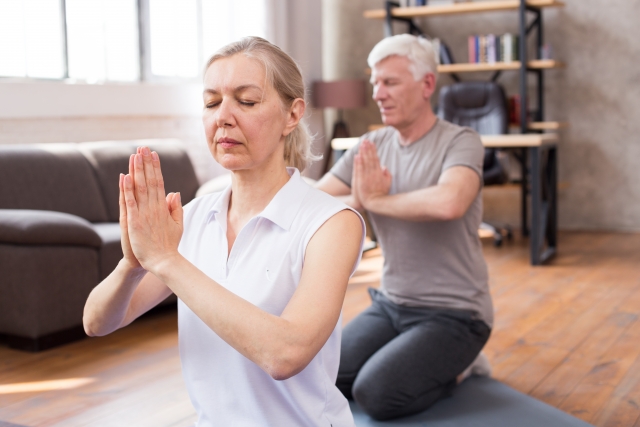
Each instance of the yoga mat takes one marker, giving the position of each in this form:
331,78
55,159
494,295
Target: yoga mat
480,402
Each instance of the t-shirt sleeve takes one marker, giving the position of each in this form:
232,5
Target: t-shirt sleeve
466,149
343,169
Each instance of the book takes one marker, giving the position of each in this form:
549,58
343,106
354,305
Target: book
482,51
507,47
446,56
471,45
491,49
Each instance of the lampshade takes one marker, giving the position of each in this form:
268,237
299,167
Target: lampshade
340,94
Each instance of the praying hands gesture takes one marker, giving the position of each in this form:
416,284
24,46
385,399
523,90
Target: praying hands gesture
150,222
371,181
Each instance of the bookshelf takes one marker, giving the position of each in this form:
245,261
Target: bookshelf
537,141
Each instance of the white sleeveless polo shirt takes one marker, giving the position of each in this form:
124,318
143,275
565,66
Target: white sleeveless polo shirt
264,267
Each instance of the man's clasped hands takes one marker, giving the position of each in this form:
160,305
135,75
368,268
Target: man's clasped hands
150,221
370,180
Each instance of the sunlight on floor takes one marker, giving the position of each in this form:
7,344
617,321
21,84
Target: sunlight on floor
36,386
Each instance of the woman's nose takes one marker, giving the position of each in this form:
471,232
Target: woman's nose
224,114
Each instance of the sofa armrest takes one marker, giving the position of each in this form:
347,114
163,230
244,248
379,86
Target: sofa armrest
35,227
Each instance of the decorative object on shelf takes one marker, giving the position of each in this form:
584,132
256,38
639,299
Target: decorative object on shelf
546,51
340,94
514,110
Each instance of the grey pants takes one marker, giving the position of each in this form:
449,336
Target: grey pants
397,361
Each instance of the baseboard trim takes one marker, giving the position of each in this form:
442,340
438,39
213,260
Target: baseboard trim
44,342
66,336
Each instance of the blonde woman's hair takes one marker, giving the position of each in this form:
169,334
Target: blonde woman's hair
284,75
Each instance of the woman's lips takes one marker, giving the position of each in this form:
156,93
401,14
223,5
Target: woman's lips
228,142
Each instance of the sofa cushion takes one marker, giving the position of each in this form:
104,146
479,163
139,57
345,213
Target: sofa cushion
44,288
32,227
111,251
111,158
51,177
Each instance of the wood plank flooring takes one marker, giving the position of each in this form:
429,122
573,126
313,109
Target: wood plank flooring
567,333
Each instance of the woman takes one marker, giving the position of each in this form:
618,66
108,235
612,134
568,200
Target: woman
260,269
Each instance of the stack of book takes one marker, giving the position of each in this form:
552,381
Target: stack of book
491,48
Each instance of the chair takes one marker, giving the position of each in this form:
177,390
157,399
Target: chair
483,107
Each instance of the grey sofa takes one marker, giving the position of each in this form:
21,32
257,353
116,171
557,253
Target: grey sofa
59,232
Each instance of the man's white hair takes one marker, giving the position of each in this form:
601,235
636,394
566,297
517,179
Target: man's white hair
421,53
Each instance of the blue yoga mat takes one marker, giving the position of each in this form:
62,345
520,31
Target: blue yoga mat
480,402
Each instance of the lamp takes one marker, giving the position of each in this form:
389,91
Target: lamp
340,94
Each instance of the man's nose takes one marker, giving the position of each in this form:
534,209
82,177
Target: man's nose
379,92
224,114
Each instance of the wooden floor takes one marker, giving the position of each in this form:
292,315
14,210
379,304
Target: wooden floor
567,333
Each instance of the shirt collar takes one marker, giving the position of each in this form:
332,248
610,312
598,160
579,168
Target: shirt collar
281,210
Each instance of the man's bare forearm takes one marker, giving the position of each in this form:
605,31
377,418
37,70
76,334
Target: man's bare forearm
437,203
350,201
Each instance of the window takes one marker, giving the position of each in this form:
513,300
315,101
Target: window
31,39
185,33
174,38
225,21
102,40
120,40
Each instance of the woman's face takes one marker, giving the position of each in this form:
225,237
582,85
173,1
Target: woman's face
243,117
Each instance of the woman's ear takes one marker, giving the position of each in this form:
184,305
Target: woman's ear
294,115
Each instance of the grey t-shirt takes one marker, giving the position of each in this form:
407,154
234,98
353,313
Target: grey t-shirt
430,263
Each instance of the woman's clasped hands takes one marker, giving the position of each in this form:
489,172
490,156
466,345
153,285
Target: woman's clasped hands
150,222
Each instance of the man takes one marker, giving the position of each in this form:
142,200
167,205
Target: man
419,178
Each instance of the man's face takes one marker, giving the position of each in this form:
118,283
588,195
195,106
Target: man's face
401,99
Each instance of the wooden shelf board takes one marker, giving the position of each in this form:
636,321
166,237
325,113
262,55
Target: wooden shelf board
545,63
494,141
470,68
532,126
459,8
519,140
537,64
543,125
343,143
517,186
548,125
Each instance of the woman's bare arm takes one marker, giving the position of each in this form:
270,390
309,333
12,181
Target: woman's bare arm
281,345
128,292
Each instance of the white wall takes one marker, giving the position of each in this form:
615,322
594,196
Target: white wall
29,99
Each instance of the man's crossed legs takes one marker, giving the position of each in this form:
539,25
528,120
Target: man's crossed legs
397,361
